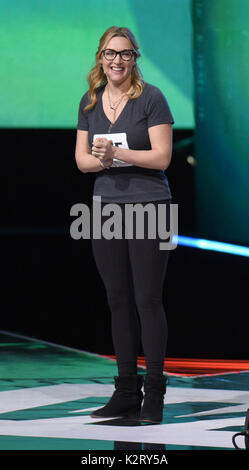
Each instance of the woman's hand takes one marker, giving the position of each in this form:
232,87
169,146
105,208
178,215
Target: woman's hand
103,149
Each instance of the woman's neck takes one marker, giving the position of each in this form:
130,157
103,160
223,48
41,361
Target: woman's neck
120,89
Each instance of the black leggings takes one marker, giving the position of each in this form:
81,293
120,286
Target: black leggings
133,272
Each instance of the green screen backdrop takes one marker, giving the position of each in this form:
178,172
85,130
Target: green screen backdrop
195,51
47,47
221,69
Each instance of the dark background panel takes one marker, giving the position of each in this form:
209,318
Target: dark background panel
50,287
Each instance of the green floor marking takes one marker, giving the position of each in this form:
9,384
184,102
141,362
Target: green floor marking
45,443
32,364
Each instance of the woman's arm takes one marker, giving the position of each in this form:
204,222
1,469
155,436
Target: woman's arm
158,157
85,161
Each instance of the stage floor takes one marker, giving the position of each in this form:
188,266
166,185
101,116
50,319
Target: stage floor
47,393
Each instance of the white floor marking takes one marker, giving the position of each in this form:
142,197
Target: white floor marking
194,433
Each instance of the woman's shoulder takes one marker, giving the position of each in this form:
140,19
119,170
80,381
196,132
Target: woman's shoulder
98,90
86,98
156,105
152,90
152,96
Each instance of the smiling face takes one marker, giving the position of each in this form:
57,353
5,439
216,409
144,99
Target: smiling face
118,70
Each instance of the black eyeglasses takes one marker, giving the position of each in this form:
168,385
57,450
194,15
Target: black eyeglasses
126,54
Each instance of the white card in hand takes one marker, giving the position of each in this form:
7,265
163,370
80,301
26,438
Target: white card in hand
119,140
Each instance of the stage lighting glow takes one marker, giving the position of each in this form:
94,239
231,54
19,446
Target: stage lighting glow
213,245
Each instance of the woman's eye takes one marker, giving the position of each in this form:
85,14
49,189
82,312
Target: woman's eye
110,54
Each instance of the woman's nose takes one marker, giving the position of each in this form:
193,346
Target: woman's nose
117,59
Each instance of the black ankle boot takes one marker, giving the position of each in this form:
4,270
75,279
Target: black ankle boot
125,401
155,389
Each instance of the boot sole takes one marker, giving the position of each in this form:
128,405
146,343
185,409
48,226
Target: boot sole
147,420
136,417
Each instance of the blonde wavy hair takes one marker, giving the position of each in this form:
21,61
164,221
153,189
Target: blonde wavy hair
96,76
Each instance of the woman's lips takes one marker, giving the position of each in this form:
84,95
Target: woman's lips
117,69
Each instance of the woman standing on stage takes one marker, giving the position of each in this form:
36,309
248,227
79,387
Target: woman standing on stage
125,136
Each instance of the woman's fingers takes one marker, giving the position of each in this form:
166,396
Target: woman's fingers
102,148
98,152
100,142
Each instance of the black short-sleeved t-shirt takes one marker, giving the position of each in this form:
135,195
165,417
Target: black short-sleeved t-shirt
126,182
